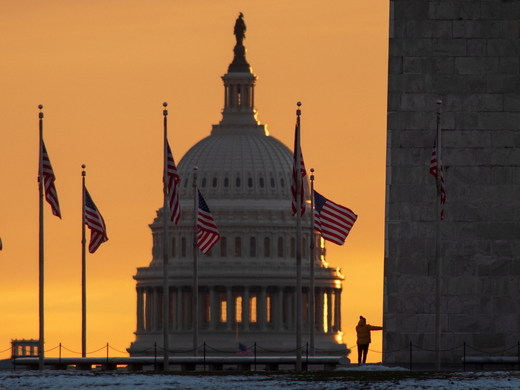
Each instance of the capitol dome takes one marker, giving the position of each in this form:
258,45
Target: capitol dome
238,166
246,282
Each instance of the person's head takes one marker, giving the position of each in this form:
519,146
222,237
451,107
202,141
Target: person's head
362,320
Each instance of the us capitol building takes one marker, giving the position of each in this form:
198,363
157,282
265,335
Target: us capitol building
247,280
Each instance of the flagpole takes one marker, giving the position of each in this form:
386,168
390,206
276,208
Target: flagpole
438,279
83,273
166,289
312,259
41,268
298,246
195,295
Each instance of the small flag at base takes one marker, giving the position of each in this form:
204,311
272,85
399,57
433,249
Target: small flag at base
207,232
332,220
433,171
96,224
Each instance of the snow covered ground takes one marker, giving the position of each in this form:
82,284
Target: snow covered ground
72,380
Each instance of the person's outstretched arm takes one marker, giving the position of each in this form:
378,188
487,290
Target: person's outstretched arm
372,327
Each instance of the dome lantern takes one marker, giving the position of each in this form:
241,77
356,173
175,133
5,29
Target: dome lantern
239,85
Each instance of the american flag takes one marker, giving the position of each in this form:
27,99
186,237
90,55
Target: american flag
173,181
207,232
48,181
96,224
293,181
433,171
332,220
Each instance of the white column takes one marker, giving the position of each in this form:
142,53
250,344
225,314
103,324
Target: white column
319,310
336,310
178,309
140,309
202,307
187,311
245,308
148,311
263,308
329,310
288,310
156,303
229,308
338,299
279,309
171,310
213,303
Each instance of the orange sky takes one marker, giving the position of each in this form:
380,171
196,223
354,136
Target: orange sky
102,70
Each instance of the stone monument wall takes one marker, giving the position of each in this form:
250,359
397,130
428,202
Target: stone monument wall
465,53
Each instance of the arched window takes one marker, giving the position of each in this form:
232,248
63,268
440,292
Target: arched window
237,182
267,247
183,247
252,247
223,243
250,182
226,182
204,183
215,182
261,182
282,182
174,248
293,247
280,247
238,247
272,182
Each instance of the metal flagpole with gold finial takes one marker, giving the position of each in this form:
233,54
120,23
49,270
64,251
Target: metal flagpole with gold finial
195,294
312,309
298,245
166,289
83,272
41,356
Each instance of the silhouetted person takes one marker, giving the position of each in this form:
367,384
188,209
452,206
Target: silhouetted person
363,338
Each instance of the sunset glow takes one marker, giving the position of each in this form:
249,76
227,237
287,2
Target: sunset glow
102,70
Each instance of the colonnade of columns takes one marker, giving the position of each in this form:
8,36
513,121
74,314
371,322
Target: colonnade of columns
252,308
239,95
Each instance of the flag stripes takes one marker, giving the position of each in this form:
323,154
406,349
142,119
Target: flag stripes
207,232
96,224
293,178
433,171
332,220
173,181
48,181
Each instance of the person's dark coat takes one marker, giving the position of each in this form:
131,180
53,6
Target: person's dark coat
363,331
